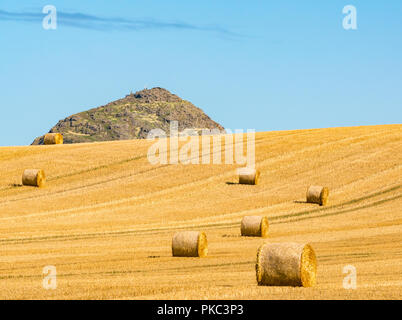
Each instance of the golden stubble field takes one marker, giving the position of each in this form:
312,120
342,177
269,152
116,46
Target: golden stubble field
107,216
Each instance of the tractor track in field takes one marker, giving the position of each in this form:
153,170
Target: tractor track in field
121,272
124,161
353,201
160,192
371,205
106,166
221,225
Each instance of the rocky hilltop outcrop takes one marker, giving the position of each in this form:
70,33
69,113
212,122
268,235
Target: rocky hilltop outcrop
132,118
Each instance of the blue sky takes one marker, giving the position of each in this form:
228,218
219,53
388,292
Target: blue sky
264,65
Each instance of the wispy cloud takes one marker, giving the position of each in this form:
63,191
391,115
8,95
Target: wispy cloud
86,21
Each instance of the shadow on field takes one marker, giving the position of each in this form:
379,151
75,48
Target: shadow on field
15,185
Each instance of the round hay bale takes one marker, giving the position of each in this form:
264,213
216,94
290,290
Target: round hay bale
34,177
53,138
190,244
286,264
254,226
317,194
248,176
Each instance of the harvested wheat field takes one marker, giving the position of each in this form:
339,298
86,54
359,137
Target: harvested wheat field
106,218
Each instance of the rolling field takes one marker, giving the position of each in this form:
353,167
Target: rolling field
106,218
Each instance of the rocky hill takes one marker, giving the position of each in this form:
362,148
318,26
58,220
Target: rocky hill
132,117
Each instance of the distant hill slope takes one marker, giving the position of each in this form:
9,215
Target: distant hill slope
132,117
